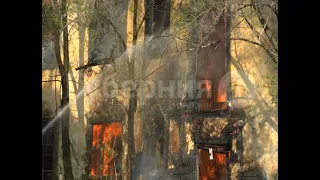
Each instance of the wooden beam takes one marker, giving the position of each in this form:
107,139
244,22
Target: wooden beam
96,62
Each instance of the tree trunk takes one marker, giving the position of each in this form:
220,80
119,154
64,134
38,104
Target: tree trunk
125,173
65,98
56,131
55,153
165,157
128,136
132,110
64,104
80,98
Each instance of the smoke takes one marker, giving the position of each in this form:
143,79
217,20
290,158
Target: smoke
106,74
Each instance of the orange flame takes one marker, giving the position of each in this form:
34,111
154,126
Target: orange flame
212,169
96,132
222,91
208,85
222,96
220,158
103,147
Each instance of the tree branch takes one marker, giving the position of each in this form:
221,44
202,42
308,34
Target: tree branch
172,35
140,25
117,32
123,43
213,43
258,44
259,15
274,10
93,90
74,154
244,6
271,54
198,16
56,80
47,81
258,35
96,62
154,71
121,104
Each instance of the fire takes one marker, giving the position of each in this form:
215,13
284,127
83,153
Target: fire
189,141
208,85
220,158
206,96
212,169
222,90
103,148
96,132
206,166
222,96
113,129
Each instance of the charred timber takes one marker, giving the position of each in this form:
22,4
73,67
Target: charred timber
96,62
222,113
222,150
215,141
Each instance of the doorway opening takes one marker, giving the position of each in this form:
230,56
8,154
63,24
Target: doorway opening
106,150
212,165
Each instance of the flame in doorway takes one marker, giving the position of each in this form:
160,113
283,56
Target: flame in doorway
103,154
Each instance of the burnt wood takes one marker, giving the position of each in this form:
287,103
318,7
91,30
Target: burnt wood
96,62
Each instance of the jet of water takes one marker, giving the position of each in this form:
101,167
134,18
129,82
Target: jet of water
60,113
63,110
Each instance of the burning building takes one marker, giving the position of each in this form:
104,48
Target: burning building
203,139
106,149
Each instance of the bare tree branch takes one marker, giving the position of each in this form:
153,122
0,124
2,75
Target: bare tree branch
123,43
74,154
271,55
56,80
116,99
259,15
198,16
118,33
258,34
93,90
172,35
47,81
213,43
97,62
154,71
140,25
168,62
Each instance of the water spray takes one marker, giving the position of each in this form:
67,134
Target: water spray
60,113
